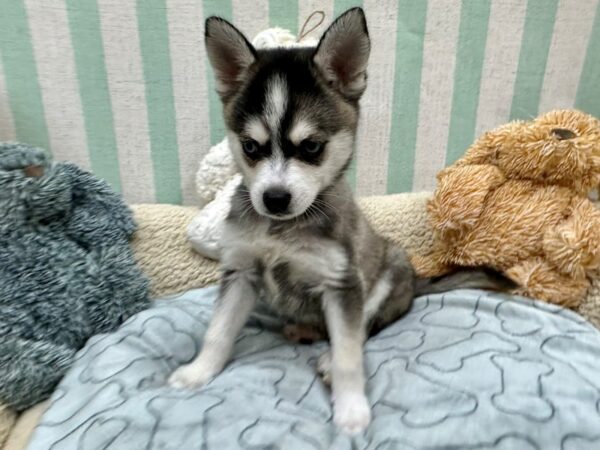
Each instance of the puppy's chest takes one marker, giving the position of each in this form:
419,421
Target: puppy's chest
296,270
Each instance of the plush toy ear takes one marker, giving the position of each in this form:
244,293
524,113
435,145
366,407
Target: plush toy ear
343,53
229,52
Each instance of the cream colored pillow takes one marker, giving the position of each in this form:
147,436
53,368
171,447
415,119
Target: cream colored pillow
24,426
7,420
164,253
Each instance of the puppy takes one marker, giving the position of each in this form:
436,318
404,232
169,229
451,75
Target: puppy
295,232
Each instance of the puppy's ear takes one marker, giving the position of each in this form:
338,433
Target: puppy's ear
343,53
229,52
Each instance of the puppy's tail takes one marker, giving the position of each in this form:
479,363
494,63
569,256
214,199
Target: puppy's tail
465,279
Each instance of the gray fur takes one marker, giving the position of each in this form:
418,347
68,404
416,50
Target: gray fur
67,271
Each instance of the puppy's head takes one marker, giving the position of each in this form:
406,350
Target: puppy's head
291,113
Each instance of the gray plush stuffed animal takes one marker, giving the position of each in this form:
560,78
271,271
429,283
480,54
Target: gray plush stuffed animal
67,271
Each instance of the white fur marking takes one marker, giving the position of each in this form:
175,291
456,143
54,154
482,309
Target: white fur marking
377,296
276,102
351,411
300,131
257,131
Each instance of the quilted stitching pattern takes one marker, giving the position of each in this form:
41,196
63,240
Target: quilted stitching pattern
464,370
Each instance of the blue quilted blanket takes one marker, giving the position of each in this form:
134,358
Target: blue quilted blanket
464,370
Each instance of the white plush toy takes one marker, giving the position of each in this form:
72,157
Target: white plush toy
217,176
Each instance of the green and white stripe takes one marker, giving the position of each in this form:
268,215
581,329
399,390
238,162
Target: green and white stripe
283,14
154,45
127,87
7,126
410,33
372,160
588,92
572,30
253,14
437,84
124,88
502,45
472,36
190,90
88,50
55,62
20,75
535,44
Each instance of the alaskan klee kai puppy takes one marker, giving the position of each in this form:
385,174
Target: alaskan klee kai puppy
294,231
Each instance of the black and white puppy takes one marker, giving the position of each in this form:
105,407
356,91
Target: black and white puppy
294,231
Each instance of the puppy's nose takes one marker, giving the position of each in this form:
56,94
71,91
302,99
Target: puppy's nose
277,200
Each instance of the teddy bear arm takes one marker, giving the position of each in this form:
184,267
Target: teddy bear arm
573,246
460,197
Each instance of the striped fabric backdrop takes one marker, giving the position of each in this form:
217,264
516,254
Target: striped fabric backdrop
123,87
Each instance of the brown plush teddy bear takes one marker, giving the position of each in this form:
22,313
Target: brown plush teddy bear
518,202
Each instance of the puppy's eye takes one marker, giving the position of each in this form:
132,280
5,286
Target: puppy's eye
250,147
311,147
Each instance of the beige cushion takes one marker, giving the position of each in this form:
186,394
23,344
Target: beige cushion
7,419
163,252
402,218
24,426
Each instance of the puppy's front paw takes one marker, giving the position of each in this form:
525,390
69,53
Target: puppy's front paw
190,376
351,413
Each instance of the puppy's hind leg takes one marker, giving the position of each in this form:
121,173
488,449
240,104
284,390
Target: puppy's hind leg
351,411
237,298
324,367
